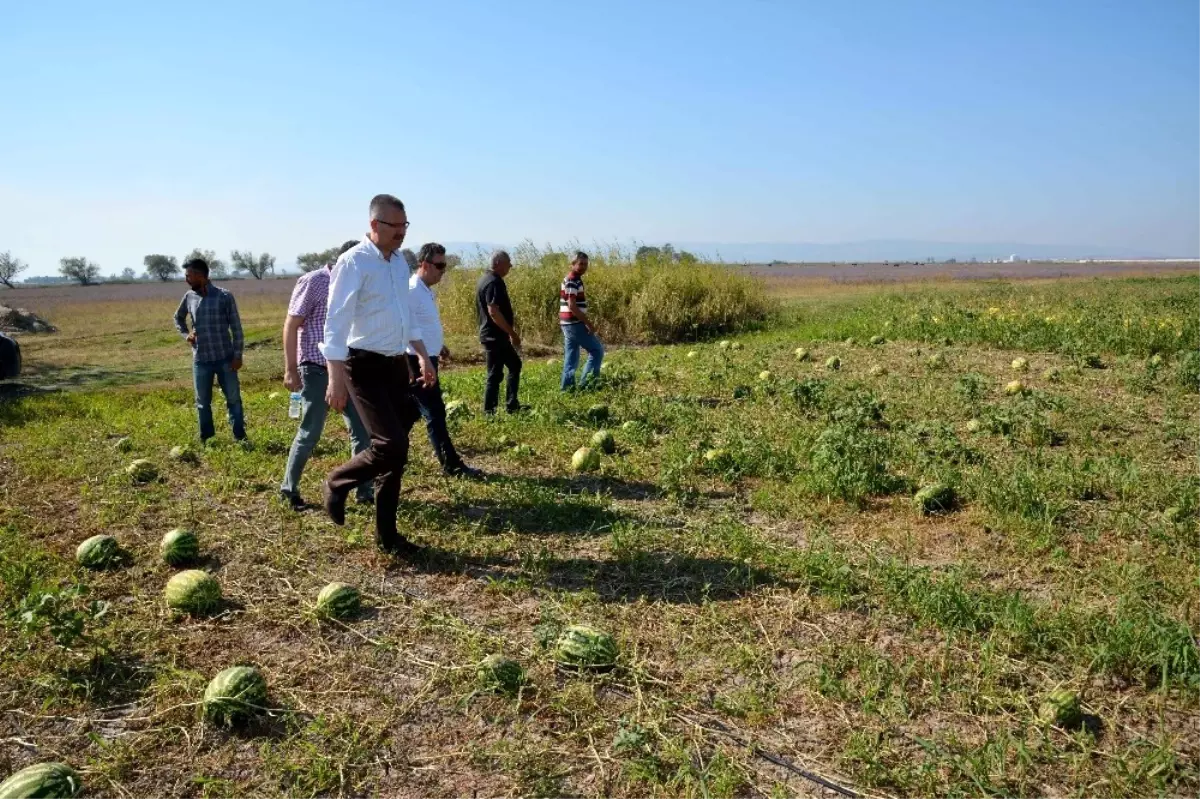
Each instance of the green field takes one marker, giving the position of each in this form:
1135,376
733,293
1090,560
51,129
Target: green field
785,611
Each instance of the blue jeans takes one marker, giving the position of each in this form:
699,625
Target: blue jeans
314,380
203,373
574,337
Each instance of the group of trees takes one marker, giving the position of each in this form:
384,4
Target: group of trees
165,267
664,253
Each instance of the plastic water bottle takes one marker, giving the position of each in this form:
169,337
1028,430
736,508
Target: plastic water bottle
294,405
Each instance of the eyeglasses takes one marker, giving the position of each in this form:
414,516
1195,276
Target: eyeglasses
437,264
403,225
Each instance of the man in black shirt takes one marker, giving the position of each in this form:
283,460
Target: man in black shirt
498,335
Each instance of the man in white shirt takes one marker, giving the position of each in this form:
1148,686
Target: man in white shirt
368,328
431,267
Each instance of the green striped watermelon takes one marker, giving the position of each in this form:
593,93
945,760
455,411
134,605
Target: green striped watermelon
582,646
603,440
193,591
1062,708
585,459
98,552
234,695
935,498
179,547
338,601
500,674
47,780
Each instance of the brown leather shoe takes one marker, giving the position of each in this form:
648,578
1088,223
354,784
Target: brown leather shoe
335,506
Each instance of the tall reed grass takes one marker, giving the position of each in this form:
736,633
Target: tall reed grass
649,302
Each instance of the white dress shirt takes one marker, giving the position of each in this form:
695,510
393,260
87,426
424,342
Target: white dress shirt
368,304
425,316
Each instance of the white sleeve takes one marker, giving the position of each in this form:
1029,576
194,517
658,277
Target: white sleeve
344,284
414,329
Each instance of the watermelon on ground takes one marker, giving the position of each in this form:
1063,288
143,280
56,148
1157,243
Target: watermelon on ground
180,546
49,780
877,340
98,552
585,459
1062,708
457,408
935,498
338,601
500,674
1020,365
833,363
603,440
802,354
193,591
1014,387
142,471
582,646
183,454
235,695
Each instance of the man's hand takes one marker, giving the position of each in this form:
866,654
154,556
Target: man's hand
444,354
291,380
336,394
236,364
428,373
515,338
191,338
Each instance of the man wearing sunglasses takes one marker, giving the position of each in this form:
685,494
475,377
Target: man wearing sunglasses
431,268
368,327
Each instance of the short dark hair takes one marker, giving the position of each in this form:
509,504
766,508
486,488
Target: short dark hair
199,264
428,251
347,245
580,255
500,255
381,201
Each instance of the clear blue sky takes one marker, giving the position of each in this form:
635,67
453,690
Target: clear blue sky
139,127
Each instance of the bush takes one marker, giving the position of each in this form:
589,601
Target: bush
650,302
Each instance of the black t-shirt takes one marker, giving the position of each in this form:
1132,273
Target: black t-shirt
491,291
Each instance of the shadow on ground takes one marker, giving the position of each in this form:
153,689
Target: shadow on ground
657,576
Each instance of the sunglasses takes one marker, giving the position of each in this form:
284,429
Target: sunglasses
437,265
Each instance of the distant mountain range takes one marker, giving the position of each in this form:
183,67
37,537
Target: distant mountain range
876,250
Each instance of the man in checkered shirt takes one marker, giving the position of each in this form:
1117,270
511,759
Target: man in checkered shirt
305,371
217,343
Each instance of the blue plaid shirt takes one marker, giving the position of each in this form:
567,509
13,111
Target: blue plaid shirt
216,323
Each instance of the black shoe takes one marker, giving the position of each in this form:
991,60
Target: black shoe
293,501
398,546
464,472
335,506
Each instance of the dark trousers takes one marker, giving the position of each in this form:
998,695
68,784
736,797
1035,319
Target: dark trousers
380,390
498,356
433,409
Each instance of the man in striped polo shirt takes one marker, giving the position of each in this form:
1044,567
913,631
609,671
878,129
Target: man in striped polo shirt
577,328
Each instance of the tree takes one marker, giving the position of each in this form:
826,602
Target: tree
10,267
163,267
315,260
128,274
79,269
645,253
685,257
246,262
216,267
